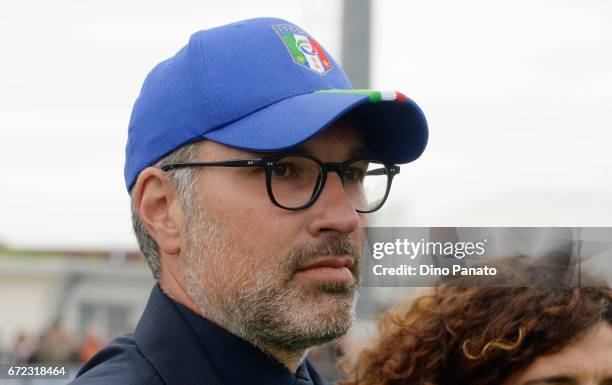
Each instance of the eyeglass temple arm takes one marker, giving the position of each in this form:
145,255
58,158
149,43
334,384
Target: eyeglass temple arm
383,171
226,163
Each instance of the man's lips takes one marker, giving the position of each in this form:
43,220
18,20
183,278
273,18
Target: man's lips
336,262
329,268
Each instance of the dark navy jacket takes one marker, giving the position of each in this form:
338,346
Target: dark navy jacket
173,346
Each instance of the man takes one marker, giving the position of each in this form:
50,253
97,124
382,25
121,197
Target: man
252,167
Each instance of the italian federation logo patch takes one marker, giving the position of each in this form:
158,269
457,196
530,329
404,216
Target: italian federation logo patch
304,50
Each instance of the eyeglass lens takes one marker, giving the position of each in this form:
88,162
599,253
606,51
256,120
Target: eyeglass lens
295,180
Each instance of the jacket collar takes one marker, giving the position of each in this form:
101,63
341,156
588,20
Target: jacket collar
168,343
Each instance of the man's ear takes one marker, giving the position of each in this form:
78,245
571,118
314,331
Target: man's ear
159,209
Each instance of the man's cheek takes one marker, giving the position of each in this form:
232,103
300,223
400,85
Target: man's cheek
364,220
359,240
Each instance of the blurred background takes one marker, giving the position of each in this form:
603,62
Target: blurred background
518,97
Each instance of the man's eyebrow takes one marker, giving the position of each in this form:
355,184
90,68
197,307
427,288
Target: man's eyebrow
294,150
297,150
552,380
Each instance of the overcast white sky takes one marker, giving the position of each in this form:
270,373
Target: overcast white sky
518,95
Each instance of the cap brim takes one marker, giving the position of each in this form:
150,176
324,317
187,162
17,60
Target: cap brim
395,131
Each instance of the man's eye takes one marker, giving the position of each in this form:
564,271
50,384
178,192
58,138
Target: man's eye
354,174
283,170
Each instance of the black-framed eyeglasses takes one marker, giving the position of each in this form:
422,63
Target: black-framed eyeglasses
295,181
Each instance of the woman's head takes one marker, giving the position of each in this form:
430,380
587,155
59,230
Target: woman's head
482,335
587,360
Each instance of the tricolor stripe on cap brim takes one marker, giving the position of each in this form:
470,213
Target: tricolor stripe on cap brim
396,129
373,95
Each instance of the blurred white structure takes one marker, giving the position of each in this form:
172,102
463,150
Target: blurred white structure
78,291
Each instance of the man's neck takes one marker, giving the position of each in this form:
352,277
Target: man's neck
292,360
173,289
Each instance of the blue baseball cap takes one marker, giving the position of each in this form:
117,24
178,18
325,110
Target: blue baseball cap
261,85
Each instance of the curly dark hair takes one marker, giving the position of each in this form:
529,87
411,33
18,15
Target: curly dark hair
477,335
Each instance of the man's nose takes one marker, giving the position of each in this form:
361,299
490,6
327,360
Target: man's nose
333,209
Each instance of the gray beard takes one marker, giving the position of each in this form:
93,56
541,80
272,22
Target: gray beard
268,313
